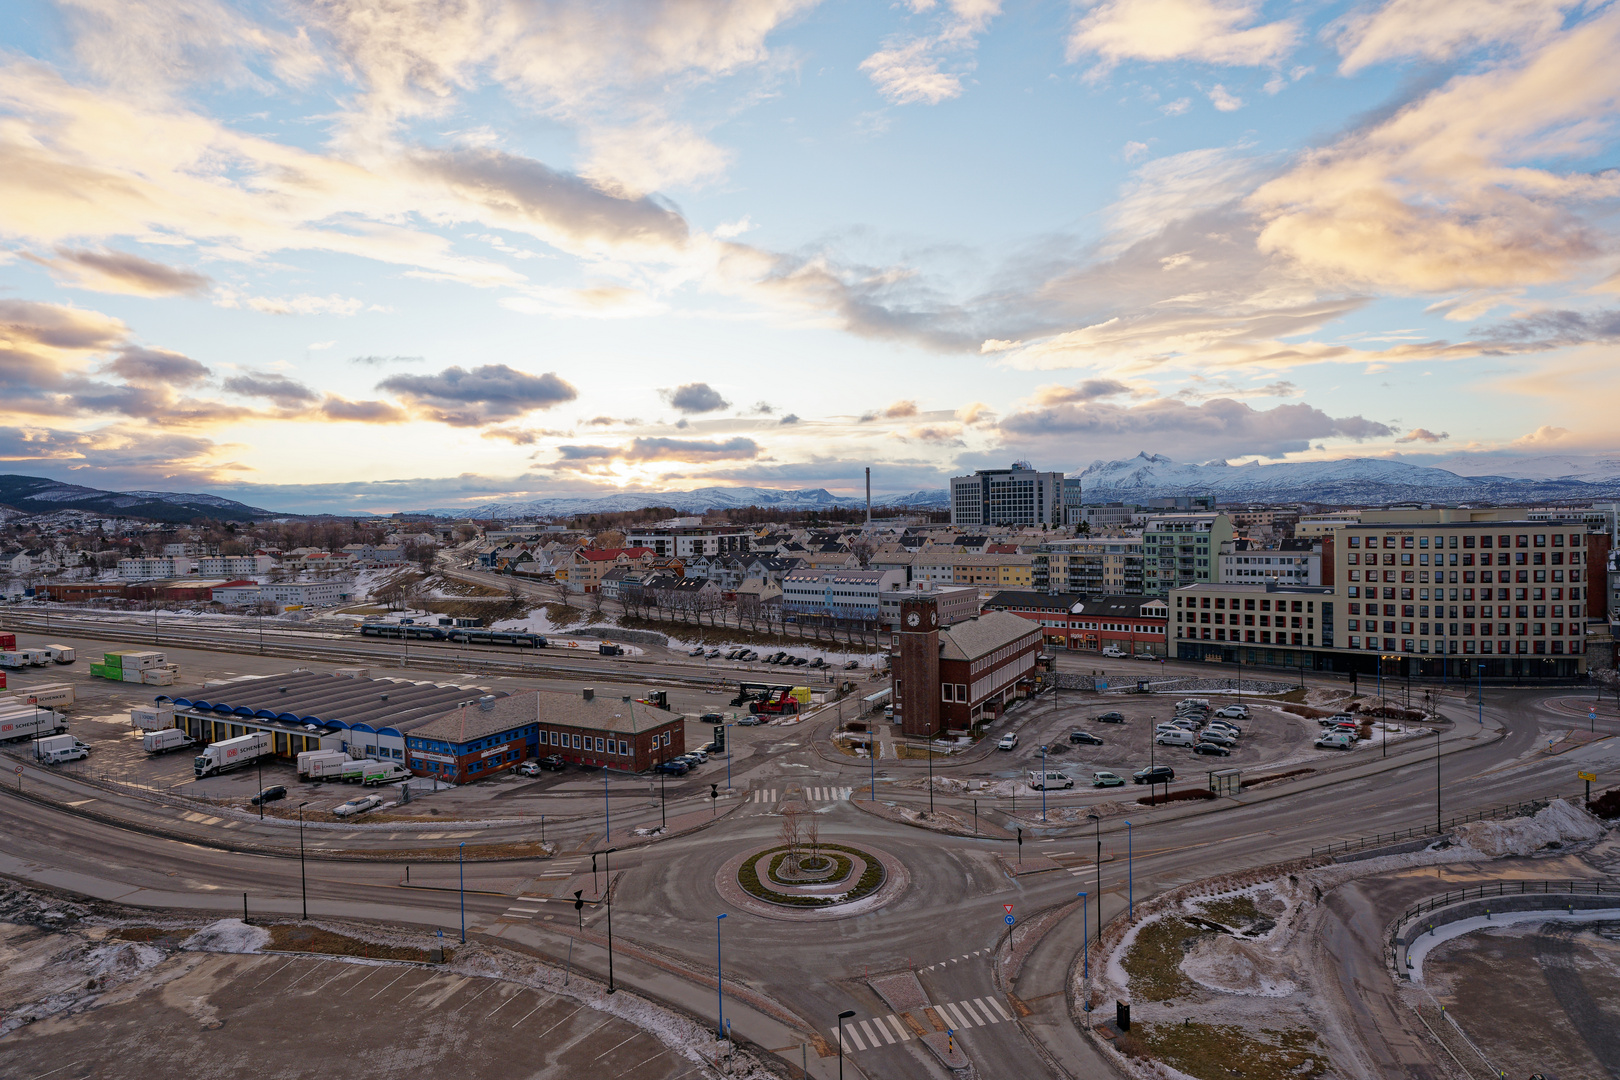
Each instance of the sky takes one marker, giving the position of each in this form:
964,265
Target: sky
375,255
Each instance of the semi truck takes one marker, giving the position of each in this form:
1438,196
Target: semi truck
164,740
231,754
30,723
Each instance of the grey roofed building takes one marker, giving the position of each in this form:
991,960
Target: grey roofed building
978,637
598,713
328,700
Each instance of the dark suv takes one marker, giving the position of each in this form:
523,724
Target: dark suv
553,763
1159,774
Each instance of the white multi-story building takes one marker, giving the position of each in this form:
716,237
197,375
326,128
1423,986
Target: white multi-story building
1295,562
843,594
234,565
686,543
1015,496
153,567
307,593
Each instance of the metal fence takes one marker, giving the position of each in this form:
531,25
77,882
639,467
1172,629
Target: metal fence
1509,888
1362,843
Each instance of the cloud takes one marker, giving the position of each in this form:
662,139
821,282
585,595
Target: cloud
1441,29
1209,31
1217,428
976,412
492,392
285,392
381,361
296,305
115,457
900,410
515,436
120,272
631,161
1454,191
695,398
138,365
1089,390
1545,436
1134,151
906,70
57,328
1558,328
364,412
790,418
1423,435
942,434
1223,99
763,408
664,449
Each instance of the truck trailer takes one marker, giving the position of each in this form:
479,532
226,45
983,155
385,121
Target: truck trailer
62,654
164,740
52,694
59,748
231,753
322,764
30,723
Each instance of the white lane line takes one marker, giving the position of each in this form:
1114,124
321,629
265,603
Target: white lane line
614,1047
866,1029
899,1028
534,1010
558,1024
956,1018
398,977
475,997
972,1013
1005,1015
504,1004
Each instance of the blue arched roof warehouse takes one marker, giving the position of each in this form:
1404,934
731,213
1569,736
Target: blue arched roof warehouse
334,702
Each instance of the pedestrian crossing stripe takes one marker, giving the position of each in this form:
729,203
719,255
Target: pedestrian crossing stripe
811,794
877,1031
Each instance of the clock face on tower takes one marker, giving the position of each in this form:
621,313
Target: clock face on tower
933,617
912,619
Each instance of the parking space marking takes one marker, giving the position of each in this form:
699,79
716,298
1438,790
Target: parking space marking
504,1004
272,975
640,1063
313,968
395,979
536,1009
615,1046
475,997
559,1023
345,969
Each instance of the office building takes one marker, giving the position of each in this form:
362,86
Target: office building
1008,497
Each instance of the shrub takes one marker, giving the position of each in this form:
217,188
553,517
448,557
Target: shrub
1188,795
1607,805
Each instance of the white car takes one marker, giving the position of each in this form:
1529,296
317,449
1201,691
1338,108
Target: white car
1233,712
1008,741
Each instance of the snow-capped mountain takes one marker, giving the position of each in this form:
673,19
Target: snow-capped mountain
1348,480
37,495
696,501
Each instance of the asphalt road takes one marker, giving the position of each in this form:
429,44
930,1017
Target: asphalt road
947,920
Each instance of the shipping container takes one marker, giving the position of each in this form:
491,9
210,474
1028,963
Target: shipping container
8,641
13,660
161,742
52,695
157,677
152,717
62,654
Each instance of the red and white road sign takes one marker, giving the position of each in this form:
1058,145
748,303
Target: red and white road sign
1007,908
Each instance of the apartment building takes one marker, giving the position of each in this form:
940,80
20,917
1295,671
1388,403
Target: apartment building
842,594
1181,549
1014,496
986,571
1073,510
588,566
234,565
156,566
955,603
1135,625
1291,562
1094,566
691,543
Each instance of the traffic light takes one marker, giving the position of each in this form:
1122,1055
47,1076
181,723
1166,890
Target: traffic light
579,907
719,738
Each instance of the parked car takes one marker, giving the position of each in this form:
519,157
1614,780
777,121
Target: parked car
1114,652
270,794
695,652
552,763
529,768
1157,774
701,755
1110,718
674,768
851,665
818,662
1340,718
1337,740
1207,747
1106,779
1042,780
1176,738
1234,712
1225,726
748,721
712,718
750,655
799,661
1008,741
1220,738
1085,737
714,654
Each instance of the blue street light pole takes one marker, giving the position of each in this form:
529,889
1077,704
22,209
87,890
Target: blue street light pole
461,869
1130,875
727,729
1085,933
720,980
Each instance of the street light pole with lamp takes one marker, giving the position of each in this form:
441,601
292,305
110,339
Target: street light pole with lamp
1130,874
845,1015
1098,820
303,882
720,978
1043,783
461,870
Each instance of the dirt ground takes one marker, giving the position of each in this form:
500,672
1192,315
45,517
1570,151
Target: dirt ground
1536,998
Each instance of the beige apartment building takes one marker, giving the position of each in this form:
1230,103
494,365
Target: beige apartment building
1091,566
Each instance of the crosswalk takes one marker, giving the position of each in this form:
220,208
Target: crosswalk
877,1031
1068,860
811,794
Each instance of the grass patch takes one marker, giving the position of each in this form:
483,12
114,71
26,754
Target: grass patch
917,753
841,869
869,882
1223,1051
562,615
1154,960
1296,695
1186,795
292,937
1235,911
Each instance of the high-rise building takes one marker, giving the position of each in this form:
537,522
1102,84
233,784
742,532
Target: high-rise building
1181,549
1015,496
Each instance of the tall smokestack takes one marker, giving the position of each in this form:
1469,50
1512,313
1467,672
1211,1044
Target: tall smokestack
869,494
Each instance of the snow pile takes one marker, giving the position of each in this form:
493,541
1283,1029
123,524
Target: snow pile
1232,966
951,785
1560,823
116,962
229,936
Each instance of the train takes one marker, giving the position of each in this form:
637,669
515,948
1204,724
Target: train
463,634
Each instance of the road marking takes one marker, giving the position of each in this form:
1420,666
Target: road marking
504,1004
273,974
972,1013
614,1047
313,968
558,1024
1005,1015
952,1015
534,1010
899,1028
401,975
58,1069
866,1028
853,1035
475,997
639,1064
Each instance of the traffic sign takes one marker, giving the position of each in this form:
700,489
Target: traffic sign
1587,776
1004,907
1008,920
18,771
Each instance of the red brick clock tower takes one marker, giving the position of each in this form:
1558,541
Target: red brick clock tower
916,667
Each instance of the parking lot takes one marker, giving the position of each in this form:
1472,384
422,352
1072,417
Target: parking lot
1272,738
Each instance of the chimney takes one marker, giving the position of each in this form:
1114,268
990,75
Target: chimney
487,702
590,693
869,494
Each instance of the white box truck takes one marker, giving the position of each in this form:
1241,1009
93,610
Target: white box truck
13,660
37,657
161,742
30,723
322,764
59,748
152,717
231,754
52,695
62,654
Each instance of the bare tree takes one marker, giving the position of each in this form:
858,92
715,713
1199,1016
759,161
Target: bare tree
812,833
791,837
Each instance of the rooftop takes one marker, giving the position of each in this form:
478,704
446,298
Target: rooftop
983,635
598,713
327,700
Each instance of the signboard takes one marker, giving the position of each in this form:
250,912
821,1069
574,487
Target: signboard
1007,908
1008,920
1587,776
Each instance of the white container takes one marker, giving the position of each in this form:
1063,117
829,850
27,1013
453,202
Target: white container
52,695
52,743
62,654
140,660
13,660
159,742
352,672
157,677
321,764
20,724
37,657
152,717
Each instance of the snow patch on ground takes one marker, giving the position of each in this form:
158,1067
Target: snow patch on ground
1560,823
1234,966
228,935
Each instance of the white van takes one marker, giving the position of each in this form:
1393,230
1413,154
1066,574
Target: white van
1337,740
1115,652
64,753
1041,781
1177,738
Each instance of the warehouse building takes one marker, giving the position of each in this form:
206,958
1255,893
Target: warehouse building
311,710
480,738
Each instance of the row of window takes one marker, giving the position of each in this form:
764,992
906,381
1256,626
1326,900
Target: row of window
1249,603
1524,611
1468,576
440,746
1354,591
1517,558
573,740
1265,637
1522,647
1502,540
986,662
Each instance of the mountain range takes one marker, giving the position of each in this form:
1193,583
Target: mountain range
696,501
37,495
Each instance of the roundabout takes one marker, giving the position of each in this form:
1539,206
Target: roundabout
829,881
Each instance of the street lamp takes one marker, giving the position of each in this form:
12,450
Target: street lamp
303,885
461,870
260,760
607,868
1085,948
1043,783
1130,874
845,1015
720,980
1098,820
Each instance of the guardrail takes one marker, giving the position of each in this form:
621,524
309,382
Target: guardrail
1509,888
1362,843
